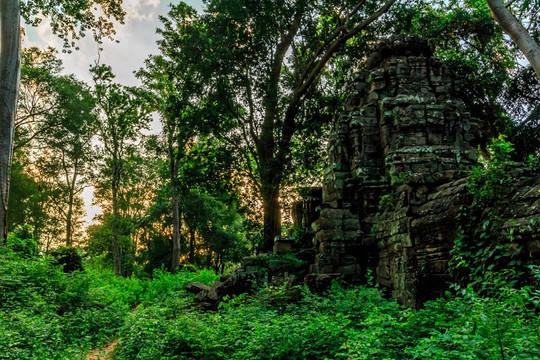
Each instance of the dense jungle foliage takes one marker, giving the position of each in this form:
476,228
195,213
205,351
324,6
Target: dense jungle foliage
46,313
200,165
237,142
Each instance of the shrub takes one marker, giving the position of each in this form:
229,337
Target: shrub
482,255
356,323
489,181
69,258
22,242
46,313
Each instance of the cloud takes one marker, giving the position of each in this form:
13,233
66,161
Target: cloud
137,40
141,10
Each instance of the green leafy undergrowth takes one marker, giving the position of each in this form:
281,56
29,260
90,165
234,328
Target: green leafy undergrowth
165,284
21,241
46,313
357,323
485,256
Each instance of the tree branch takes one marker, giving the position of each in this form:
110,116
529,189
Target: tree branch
306,87
341,29
251,107
517,32
267,130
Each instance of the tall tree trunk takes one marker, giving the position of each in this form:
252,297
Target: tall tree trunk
69,219
209,258
174,165
116,245
517,32
10,53
271,215
192,246
176,231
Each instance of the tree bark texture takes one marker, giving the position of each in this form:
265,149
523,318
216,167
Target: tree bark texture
176,232
116,244
10,52
271,216
517,32
192,246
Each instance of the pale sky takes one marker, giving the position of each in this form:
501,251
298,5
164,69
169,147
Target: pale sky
137,40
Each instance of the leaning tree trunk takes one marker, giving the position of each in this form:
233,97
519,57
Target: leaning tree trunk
517,32
9,84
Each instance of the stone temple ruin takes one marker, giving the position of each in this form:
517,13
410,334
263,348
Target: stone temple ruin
395,182
396,178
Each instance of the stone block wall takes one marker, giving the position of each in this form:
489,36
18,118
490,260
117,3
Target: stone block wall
394,183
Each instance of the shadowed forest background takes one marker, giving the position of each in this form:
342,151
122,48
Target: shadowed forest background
200,166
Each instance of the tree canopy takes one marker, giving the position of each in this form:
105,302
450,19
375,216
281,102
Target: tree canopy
224,145
245,93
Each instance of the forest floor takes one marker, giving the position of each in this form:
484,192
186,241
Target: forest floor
48,314
106,353
103,354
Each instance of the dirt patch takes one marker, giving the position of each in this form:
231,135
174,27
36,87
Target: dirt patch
106,352
103,354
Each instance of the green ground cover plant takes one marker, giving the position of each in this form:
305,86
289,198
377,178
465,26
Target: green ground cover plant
355,323
46,313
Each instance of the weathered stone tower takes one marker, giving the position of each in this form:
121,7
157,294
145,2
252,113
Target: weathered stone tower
404,132
398,163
